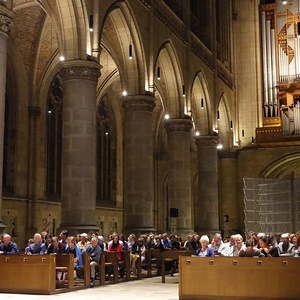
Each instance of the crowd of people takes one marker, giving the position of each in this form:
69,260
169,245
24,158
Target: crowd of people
255,245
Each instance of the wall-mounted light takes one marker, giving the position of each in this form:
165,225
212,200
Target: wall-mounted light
202,103
284,2
106,133
167,117
243,132
183,91
220,147
61,58
130,52
124,93
252,140
49,112
197,133
231,124
218,115
158,73
91,23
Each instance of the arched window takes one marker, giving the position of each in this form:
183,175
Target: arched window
106,155
54,140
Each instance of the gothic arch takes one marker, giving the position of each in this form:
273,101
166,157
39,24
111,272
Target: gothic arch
201,105
223,121
168,78
282,167
120,36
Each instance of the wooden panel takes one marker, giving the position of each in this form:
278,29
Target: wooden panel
27,274
249,278
67,260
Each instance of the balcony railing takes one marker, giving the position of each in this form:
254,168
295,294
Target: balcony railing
274,135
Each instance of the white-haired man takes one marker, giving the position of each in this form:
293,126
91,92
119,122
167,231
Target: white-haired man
285,248
228,247
37,247
8,247
217,244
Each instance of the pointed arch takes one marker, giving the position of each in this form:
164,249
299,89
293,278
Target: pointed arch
170,80
118,32
201,104
224,123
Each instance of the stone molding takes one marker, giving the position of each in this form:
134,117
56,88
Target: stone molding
178,125
139,103
84,70
207,141
5,20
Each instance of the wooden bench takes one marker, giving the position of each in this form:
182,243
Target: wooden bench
65,264
237,278
171,256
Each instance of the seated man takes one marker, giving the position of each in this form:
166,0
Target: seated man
285,247
7,246
37,247
217,244
54,247
95,252
84,242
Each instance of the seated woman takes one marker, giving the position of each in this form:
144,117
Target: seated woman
117,247
239,245
267,248
296,244
204,250
138,250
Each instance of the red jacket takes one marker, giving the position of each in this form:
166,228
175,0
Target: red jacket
118,250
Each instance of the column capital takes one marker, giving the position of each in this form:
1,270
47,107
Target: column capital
139,103
175,125
6,17
207,140
80,69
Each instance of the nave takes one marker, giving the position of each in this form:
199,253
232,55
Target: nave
146,289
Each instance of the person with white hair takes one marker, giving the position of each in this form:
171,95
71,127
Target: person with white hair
217,244
8,247
239,245
285,248
204,250
37,247
228,247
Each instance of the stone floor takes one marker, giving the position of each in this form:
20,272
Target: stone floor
146,289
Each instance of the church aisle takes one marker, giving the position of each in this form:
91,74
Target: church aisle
146,289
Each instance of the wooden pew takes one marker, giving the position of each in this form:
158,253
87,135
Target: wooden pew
125,263
237,278
171,256
65,263
153,257
108,260
34,274
86,270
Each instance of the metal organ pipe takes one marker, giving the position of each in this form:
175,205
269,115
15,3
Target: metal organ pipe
269,64
297,118
265,66
274,74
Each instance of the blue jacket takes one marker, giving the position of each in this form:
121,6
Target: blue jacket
36,249
210,252
79,263
11,248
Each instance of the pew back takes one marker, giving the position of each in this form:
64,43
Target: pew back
28,274
238,278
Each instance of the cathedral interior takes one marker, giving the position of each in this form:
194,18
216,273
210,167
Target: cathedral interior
149,115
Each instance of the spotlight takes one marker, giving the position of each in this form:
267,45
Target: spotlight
183,91
158,73
124,93
49,112
284,2
61,58
197,133
106,133
220,147
167,116
91,29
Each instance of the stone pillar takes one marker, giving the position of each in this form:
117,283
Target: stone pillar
138,164
179,176
208,206
79,145
5,21
229,204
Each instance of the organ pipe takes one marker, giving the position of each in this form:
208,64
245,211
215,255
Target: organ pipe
274,74
265,62
269,62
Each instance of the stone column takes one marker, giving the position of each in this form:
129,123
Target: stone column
208,205
179,176
5,21
229,204
138,164
79,145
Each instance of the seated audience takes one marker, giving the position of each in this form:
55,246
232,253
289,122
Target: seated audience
166,241
37,247
94,250
7,246
239,245
204,250
158,243
82,244
217,244
285,247
174,242
251,250
228,248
